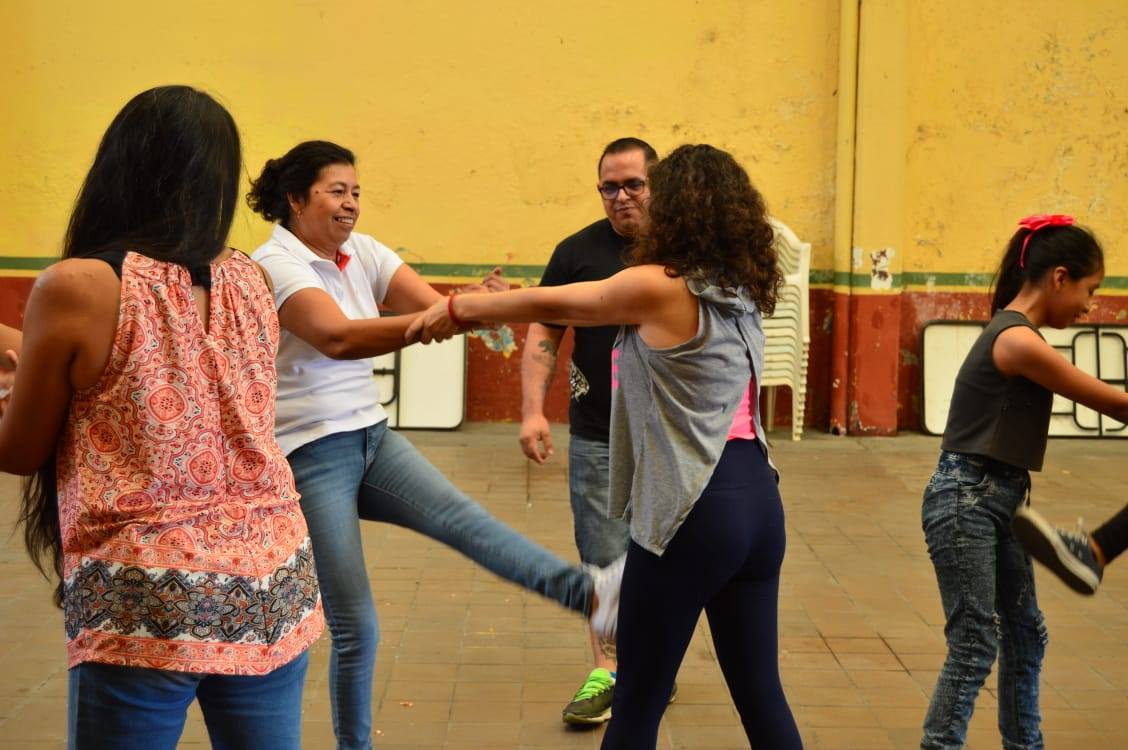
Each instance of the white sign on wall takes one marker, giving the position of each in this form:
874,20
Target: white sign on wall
424,387
945,344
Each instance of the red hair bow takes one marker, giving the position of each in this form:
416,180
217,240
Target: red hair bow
1036,222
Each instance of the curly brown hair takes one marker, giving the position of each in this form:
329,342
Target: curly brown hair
708,221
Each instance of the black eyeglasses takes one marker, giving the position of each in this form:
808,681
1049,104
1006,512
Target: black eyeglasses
634,188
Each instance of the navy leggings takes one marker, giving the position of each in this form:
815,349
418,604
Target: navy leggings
1112,536
724,559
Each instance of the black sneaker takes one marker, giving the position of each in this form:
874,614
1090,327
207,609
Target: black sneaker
592,702
1067,554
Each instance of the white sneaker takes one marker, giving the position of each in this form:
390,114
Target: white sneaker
607,582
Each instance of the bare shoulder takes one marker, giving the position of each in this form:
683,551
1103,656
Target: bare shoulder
77,283
651,271
1018,349
654,280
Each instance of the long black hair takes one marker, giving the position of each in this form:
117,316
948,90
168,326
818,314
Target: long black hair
164,183
1071,247
292,175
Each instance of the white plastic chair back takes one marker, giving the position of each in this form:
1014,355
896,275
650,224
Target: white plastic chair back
788,329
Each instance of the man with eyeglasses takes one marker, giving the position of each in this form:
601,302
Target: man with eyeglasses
594,253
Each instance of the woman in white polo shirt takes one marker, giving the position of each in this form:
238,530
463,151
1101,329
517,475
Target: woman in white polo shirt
347,465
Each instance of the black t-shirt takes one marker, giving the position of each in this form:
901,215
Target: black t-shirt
591,254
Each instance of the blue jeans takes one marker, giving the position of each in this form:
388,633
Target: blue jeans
131,708
987,590
377,475
599,539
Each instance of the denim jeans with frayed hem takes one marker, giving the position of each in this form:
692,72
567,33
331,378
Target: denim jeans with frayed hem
599,539
990,608
110,707
376,474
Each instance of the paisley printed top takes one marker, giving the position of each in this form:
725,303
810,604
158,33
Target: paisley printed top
184,547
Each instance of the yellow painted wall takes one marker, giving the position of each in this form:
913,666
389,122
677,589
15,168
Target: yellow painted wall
1015,107
477,124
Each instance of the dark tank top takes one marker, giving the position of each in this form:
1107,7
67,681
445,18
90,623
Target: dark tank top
992,415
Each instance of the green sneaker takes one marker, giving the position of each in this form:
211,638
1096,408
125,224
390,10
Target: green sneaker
592,702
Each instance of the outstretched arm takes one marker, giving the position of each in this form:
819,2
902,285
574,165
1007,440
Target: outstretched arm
634,296
316,318
1021,351
408,292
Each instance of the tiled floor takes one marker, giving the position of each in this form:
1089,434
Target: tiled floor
467,660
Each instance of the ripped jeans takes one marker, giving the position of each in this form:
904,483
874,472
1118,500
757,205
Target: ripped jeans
987,591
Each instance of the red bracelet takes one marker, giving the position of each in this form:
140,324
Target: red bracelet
450,312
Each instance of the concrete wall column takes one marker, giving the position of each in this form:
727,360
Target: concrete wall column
878,229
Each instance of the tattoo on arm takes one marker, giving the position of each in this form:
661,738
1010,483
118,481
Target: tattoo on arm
546,358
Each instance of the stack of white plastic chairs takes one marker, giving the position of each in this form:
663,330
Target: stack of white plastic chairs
787,331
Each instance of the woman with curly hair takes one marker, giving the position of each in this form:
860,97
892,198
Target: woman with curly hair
689,464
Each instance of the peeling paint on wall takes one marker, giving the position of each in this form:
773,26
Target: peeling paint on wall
498,339
881,277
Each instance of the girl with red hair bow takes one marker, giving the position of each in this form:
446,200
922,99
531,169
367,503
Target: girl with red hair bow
996,434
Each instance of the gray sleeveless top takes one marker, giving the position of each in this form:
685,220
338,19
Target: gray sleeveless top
1006,419
672,408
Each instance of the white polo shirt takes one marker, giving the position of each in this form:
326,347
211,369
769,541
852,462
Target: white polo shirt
319,396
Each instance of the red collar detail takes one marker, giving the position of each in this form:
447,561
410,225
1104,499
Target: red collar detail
342,260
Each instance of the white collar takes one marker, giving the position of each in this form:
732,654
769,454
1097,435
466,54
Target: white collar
290,241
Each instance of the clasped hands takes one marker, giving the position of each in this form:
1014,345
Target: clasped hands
435,324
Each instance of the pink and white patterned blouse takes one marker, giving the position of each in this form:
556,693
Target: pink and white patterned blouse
184,547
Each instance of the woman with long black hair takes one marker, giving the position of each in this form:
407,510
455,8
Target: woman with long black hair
143,403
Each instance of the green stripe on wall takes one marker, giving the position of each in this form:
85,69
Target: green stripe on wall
530,271
473,271
924,278
909,278
13,263
467,270
916,278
